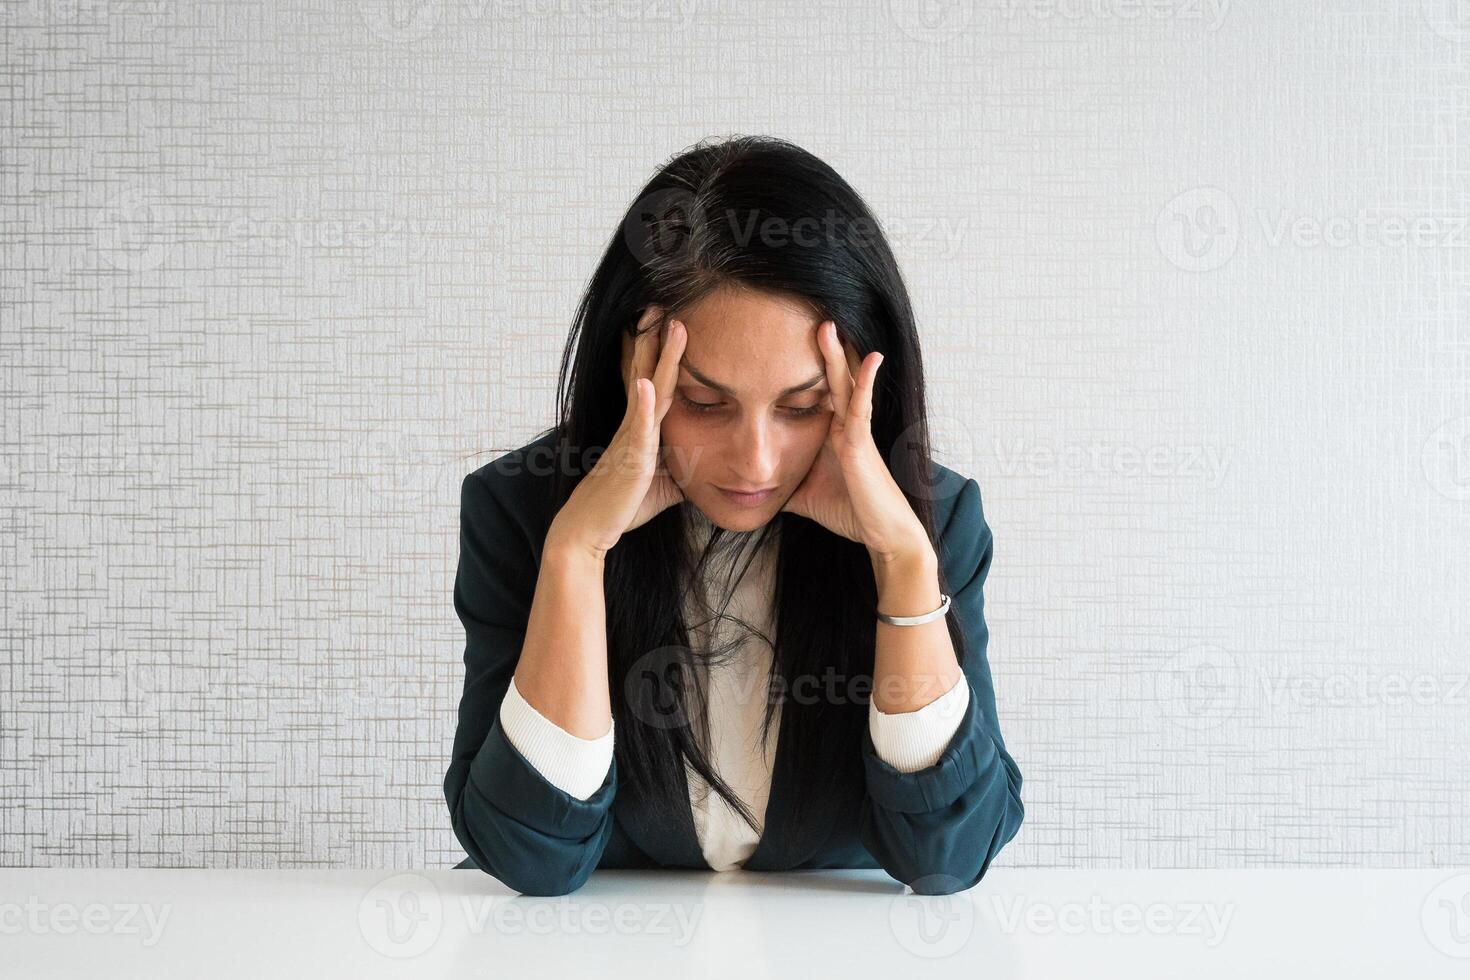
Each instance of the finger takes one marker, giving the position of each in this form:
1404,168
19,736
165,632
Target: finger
630,377
667,372
854,363
648,341
860,407
644,427
839,377
634,346
631,345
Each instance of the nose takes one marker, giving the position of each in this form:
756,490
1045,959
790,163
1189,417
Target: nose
756,452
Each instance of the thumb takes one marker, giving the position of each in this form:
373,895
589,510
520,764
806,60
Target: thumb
646,426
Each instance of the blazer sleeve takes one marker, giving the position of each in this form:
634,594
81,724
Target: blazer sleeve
515,825
938,829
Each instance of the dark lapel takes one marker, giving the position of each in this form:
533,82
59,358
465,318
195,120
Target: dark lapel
778,847
784,842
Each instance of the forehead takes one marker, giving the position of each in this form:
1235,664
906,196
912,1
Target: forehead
754,342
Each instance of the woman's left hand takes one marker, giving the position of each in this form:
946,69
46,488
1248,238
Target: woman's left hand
849,489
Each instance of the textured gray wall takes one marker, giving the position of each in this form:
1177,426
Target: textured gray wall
1194,287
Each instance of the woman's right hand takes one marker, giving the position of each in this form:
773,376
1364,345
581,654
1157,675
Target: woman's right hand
625,489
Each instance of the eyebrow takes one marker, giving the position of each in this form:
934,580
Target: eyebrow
814,380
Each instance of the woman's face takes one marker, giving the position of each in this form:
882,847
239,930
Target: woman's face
751,407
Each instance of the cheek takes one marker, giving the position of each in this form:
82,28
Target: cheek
684,447
809,444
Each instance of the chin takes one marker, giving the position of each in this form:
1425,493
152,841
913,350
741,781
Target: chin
744,520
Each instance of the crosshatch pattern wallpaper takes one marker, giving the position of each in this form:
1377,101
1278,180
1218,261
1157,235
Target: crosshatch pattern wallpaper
1193,278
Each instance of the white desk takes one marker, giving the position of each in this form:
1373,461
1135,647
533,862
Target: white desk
814,925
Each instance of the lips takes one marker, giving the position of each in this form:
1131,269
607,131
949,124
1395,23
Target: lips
746,498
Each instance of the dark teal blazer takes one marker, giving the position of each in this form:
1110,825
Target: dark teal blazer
936,830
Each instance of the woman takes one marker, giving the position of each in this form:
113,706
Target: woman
747,354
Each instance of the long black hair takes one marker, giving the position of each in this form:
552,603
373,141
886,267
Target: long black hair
761,213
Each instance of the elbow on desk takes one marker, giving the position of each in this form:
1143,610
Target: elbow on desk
532,858
527,878
520,865
943,860
939,831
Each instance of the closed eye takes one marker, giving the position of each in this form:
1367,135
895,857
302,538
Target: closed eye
707,407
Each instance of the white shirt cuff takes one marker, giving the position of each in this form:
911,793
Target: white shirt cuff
577,766
913,740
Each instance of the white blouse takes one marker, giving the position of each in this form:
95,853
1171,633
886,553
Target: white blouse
908,741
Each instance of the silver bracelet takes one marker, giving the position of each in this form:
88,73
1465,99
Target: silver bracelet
927,617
